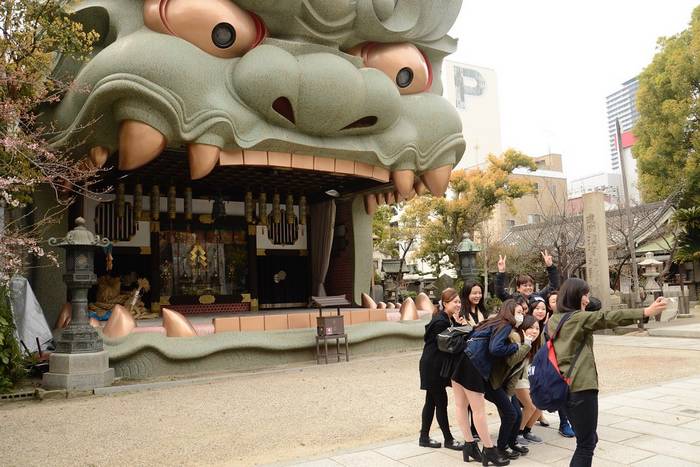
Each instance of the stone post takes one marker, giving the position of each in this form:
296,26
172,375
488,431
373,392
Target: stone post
80,361
596,245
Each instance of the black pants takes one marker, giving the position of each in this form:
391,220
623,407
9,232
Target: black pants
563,420
518,420
435,404
582,410
510,417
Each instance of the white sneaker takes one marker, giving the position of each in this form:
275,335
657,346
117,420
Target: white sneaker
521,440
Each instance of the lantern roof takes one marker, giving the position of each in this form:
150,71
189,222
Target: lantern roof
649,260
467,245
80,235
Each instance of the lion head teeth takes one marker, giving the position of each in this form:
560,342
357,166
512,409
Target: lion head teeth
120,323
98,156
403,181
370,204
202,158
139,144
437,180
176,325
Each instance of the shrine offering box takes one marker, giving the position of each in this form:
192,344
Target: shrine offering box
330,325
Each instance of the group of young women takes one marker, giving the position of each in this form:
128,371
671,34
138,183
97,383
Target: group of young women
513,335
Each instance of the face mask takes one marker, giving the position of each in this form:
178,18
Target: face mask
518,320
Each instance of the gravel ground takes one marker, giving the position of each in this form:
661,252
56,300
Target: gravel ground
266,417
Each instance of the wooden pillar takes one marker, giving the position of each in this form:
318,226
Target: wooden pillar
155,266
252,263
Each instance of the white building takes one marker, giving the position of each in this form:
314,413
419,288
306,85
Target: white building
473,90
608,183
622,105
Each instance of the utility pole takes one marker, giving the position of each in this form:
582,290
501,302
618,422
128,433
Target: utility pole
630,226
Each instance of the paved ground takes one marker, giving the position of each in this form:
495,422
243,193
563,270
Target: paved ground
658,425
306,412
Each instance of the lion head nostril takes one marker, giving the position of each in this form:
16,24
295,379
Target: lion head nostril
283,107
364,122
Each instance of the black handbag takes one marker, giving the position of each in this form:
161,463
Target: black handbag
453,339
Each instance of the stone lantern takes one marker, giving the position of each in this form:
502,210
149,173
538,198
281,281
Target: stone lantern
80,361
651,272
467,251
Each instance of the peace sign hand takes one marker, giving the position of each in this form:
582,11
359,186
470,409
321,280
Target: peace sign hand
547,258
501,263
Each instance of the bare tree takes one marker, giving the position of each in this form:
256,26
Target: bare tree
561,232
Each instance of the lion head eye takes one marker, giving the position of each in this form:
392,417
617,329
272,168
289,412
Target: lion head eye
403,63
219,27
223,35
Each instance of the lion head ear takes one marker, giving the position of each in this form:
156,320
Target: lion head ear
95,18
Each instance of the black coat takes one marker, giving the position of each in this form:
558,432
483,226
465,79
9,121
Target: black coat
433,359
552,275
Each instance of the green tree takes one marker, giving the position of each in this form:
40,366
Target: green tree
668,130
439,223
384,234
688,221
33,34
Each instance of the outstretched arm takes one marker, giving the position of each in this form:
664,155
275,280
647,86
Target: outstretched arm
596,320
501,279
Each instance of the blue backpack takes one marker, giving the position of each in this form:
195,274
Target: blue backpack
549,388
477,350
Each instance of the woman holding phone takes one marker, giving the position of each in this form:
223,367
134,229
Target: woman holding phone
575,341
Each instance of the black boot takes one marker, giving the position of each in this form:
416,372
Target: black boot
453,444
519,448
471,451
508,454
428,442
492,456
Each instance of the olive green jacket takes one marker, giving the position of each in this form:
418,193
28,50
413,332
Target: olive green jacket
579,329
506,371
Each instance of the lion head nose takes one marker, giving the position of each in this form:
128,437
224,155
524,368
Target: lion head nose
320,94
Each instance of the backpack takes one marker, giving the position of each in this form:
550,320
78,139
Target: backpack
549,388
477,350
453,339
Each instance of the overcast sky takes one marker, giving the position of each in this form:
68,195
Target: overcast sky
556,61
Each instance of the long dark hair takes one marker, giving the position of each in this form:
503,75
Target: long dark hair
523,302
467,305
528,322
570,295
505,316
550,312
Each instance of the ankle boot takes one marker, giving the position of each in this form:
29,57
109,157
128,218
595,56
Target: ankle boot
471,451
427,442
491,455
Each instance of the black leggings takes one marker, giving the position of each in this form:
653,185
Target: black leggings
435,404
510,417
582,410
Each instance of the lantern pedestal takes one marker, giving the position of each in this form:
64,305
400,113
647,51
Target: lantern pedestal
78,371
